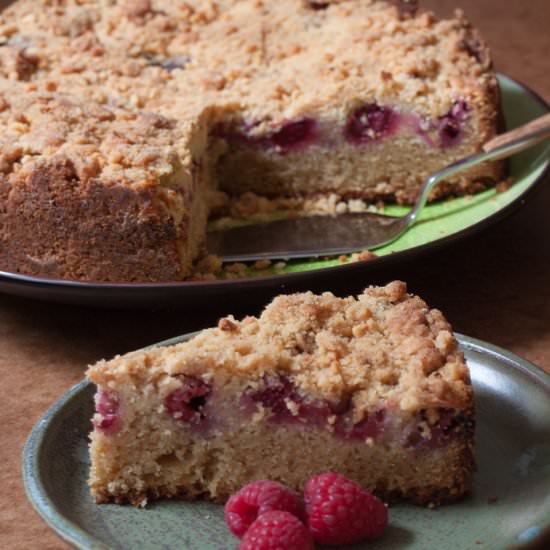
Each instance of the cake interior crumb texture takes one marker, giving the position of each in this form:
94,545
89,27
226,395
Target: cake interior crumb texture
372,386
121,120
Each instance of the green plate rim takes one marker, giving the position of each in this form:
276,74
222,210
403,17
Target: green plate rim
81,539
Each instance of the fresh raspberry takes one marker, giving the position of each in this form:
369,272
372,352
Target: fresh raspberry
256,499
277,530
341,512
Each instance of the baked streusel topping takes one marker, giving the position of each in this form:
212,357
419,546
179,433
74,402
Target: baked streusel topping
260,55
384,345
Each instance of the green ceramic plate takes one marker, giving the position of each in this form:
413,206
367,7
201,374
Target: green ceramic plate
439,224
510,505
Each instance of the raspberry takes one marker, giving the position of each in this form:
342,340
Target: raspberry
341,512
256,499
186,403
369,123
450,125
293,135
107,403
276,395
370,426
277,530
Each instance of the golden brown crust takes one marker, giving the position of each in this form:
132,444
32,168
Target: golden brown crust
56,226
96,193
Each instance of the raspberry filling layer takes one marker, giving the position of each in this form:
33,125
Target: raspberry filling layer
187,403
449,425
107,405
291,136
369,123
286,405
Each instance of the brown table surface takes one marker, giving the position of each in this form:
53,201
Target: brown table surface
494,286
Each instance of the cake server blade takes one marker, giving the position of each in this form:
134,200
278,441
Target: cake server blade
313,236
304,237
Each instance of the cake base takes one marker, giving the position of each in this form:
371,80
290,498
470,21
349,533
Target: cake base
213,469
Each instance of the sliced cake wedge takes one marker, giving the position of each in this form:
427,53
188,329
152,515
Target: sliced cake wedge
373,387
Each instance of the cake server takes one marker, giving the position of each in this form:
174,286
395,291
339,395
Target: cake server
311,236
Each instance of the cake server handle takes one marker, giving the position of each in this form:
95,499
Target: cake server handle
500,147
539,128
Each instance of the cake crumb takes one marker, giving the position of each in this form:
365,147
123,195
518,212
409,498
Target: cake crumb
504,185
226,324
236,268
261,265
209,264
364,256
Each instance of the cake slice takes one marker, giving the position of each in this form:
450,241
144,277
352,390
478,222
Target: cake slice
373,387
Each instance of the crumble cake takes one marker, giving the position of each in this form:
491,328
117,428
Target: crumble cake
373,387
119,118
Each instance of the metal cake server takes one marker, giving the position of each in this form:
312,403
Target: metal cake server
307,237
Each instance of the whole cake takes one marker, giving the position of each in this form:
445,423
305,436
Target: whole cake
372,387
119,119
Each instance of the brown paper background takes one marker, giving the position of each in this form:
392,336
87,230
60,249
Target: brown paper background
494,286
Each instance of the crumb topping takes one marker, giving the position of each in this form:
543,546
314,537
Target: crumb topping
109,143
89,75
384,345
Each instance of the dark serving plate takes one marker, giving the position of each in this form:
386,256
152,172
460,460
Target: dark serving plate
441,224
